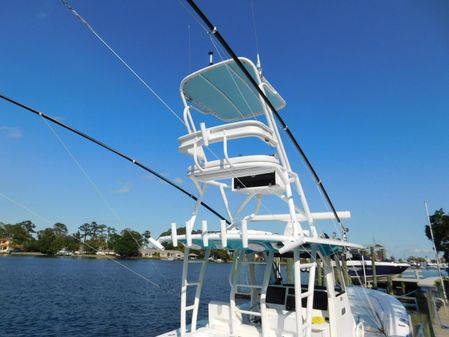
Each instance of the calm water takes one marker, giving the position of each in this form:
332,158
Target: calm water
88,297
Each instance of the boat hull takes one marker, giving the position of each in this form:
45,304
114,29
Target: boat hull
363,270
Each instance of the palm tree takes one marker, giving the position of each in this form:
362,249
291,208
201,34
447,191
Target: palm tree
109,231
102,232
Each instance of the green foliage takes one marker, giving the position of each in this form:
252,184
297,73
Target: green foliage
128,243
440,228
20,233
221,254
48,242
51,240
89,238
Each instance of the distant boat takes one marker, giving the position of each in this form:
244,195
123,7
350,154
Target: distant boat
363,269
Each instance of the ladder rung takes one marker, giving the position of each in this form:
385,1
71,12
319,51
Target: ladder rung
196,261
252,262
248,286
190,307
193,283
248,312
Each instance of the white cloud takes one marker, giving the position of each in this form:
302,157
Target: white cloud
11,132
124,189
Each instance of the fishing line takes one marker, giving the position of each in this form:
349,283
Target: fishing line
116,152
89,26
84,172
24,207
90,180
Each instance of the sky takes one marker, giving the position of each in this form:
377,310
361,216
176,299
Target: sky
366,85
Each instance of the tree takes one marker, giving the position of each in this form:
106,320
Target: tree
20,233
94,227
102,235
60,229
47,243
128,244
440,228
85,231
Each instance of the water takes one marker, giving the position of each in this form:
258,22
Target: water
42,296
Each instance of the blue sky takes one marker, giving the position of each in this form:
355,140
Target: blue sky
366,85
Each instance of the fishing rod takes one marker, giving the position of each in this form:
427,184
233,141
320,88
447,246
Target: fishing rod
116,152
214,31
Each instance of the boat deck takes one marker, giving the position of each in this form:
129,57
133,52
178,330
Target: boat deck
244,331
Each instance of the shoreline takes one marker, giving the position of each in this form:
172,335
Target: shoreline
89,256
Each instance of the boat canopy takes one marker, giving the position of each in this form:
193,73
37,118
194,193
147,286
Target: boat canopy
224,91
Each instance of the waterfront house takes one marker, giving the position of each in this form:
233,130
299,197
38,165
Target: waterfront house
5,245
163,255
106,252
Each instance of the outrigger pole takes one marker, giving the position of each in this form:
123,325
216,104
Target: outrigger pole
110,149
214,31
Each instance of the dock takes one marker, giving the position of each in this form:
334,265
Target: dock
420,282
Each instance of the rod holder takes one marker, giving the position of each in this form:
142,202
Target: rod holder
204,233
244,233
174,234
224,236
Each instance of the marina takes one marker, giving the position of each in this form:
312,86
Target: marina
228,228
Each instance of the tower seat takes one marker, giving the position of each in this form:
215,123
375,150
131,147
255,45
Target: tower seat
225,132
235,167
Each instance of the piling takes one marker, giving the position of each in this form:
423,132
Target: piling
373,267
